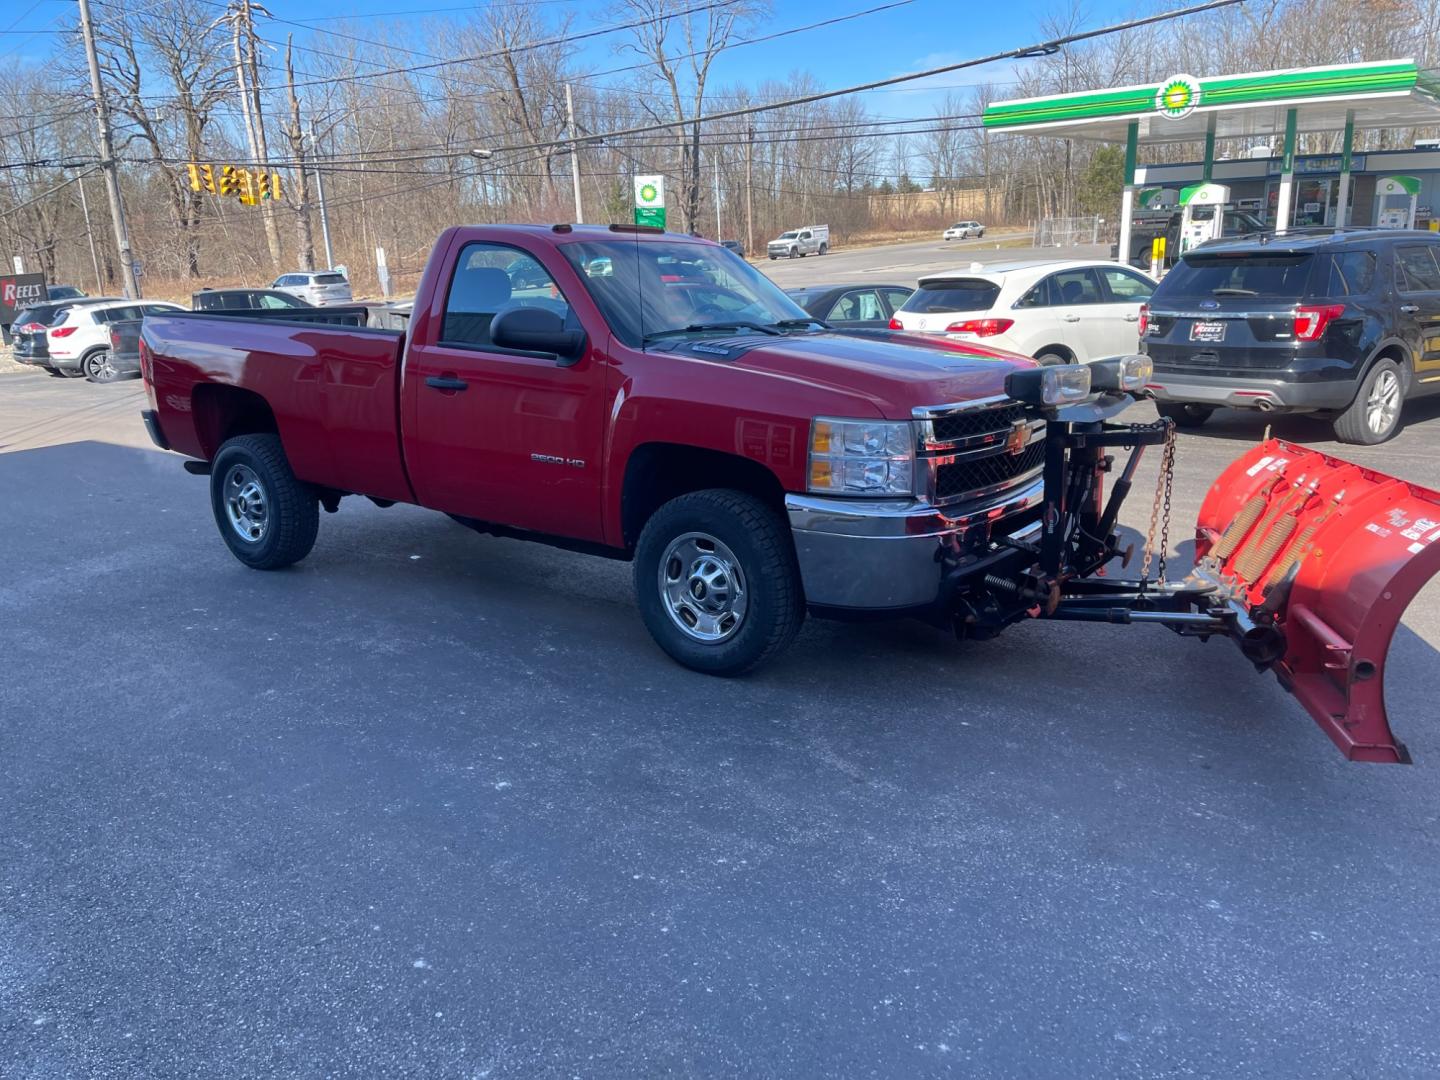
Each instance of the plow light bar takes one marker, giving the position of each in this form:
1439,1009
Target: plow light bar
1063,384
1127,374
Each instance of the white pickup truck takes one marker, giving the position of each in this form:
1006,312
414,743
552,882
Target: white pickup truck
797,243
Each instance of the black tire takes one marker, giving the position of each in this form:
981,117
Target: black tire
1051,359
68,373
824,249
54,373
773,257
99,366
1366,422
795,253
757,538
288,508
1184,414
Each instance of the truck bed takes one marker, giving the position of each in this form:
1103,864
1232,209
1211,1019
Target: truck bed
327,387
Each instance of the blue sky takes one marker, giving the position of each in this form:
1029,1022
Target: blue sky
920,34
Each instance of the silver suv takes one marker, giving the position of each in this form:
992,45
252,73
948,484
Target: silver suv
318,287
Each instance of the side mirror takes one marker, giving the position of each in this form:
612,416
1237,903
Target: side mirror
535,329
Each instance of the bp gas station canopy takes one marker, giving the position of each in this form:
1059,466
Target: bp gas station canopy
1254,105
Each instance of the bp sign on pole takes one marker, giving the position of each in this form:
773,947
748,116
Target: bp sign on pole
650,201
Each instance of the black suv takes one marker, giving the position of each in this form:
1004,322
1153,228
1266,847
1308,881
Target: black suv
1339,324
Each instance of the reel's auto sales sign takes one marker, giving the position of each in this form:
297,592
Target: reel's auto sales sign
19,291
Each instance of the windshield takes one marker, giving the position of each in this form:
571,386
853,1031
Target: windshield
789,235
665,287
1259,276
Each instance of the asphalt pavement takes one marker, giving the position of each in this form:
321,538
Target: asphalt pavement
431,804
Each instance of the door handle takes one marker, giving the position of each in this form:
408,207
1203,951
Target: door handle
1409,309
1069,318
446,382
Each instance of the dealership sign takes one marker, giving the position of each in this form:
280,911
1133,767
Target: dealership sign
19,291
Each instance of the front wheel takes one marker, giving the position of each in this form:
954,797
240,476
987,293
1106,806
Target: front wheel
1186,415
267,517
717,582
1374,415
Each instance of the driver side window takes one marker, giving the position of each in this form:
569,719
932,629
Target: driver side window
490,278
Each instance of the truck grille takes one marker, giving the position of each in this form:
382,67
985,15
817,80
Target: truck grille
965,425
969,452
956,480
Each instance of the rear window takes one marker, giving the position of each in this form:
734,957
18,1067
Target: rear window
1416,269
968,294
329,279
45,316
1256,277
1351,273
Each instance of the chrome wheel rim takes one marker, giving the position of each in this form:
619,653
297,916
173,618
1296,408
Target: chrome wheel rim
98,365
703,588
1383,405
245,504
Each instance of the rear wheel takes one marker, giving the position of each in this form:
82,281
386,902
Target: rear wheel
1374,415
1051,359
267,517
99,366
824,249
68,373
717,582
1186,415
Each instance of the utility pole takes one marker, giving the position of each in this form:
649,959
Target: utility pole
90,234
320,196
719,228
107,158
749,190
574,152
242,21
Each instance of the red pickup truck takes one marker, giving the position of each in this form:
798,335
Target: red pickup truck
653,397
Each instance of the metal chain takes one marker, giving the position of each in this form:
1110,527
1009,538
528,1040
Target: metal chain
1163,484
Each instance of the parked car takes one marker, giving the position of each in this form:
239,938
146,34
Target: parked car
1339,324
79,342
857,307
29,343
64,292
963,230
734,245
315,287
1057,312
754,466
244,300
797,243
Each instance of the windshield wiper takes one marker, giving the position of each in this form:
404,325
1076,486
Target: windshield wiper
700,328
1233,292
800,324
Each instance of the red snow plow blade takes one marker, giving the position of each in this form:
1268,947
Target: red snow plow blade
1334,552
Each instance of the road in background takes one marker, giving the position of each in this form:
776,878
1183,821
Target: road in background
905,264
433,804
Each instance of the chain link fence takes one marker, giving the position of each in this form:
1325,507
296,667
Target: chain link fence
1069,231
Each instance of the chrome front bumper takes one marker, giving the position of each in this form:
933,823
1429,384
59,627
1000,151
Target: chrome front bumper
887,553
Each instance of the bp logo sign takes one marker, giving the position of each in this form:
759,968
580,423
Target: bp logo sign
650,201
1178,96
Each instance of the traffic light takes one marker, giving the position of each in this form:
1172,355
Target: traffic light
228,185
262,185
247,186
202,178
270,186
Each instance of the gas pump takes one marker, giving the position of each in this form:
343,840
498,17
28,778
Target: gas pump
1203,215
1395,214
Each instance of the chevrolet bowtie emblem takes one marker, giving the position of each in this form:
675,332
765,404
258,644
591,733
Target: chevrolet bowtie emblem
1018,438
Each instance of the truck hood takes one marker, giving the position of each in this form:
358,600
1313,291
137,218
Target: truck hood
897,372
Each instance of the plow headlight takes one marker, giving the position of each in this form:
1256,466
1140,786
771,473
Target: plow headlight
1127,374
862,457
1063,384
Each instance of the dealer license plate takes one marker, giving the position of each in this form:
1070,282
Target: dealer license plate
1207,331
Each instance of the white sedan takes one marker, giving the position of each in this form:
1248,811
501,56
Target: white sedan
1057,312
963,230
